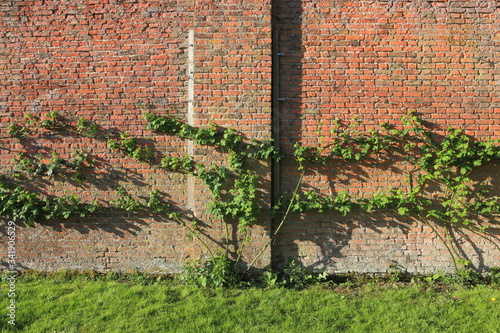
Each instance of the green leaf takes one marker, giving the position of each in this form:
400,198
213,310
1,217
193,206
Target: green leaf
402,210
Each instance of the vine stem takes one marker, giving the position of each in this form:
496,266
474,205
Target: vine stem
195,234
443,240
478,233
227,238
289,208
242,246
447,229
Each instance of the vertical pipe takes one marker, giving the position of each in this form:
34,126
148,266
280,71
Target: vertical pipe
275,131
190,117
190,97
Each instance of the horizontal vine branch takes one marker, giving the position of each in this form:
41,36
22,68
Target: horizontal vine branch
439,188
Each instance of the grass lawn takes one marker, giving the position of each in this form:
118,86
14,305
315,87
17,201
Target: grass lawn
82,305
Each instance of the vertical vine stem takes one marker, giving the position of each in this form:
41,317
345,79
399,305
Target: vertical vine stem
289,208
227,237
443,240
195,234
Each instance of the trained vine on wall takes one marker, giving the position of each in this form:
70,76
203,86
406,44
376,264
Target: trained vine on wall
233,187
436,164
439,188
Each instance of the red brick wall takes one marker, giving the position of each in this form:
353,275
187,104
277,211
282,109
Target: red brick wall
377,60
110,61
233,89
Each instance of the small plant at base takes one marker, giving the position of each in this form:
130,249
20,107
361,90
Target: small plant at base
217,272
271,280
394,273
494,275
297,277
434,278
466,274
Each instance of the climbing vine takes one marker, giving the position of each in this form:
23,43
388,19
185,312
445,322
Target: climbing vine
442,165
233,187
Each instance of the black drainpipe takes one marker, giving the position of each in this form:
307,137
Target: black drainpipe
275,129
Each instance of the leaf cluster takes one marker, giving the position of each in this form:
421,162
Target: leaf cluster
37,165
17,203
233,187
129,146
217,272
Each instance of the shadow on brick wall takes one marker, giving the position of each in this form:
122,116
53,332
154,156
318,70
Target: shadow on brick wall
340,47
382,240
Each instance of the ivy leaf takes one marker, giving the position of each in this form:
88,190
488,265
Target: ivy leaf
402,210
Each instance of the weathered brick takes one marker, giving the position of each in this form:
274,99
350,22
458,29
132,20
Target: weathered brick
101,60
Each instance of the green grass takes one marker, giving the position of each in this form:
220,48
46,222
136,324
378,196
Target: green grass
82,305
